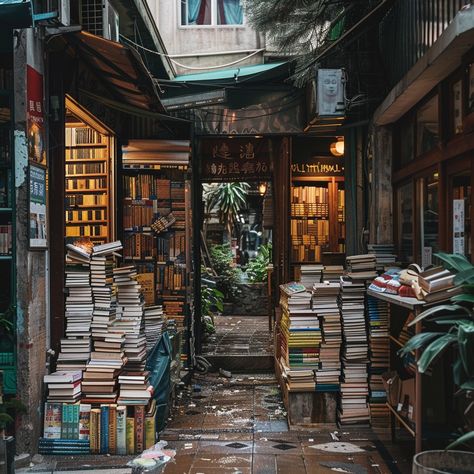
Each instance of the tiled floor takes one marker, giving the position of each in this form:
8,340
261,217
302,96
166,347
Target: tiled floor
239,425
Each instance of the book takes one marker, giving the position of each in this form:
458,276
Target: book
121,430
95,430
436,279
130,435
84,421
65,421
150,426
52,420
74,421
139,428
104,429
112,429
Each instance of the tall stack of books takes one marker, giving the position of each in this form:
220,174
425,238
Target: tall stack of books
384,255
355,352
134,388
155,324
310,274
76,346
300,339
333,272
361,267
378,314
63,386
130,303
325,304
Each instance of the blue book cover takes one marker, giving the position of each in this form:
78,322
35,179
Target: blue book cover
104,429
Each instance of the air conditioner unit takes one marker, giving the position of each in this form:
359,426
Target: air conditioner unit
100,18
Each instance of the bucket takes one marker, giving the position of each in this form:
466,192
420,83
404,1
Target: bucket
443,462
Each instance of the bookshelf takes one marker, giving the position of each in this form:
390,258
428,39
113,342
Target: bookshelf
154,186
7,223
89,175
317,218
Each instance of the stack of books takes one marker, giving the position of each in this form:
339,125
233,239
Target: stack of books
155,324
355,352
384,255
325,304
437,284
76,347
300,339
134,388
333,272
130,303
378,314
310,274
64,386
361,267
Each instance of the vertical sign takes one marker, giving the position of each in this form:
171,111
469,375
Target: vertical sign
35,116
330,100
458,226
38,223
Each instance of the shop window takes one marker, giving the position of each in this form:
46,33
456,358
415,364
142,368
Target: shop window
211,12
430,217
427,126
405,222
407,140
457,100
471,89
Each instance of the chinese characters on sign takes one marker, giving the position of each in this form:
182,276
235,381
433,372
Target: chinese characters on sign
35,116
230,159
38,223
317,166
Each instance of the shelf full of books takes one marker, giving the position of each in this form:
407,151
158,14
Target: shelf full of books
89,175
156,222
317,220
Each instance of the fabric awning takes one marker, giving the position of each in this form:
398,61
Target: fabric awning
15,13
120,67
255,71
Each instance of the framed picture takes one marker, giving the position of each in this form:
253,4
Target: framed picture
38,208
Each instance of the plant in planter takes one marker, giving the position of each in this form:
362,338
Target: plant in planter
212,302
228,276
257,268
456,329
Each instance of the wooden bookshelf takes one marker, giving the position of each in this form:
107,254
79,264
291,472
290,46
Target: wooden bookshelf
89,174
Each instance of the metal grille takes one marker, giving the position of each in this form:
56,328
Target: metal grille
93,16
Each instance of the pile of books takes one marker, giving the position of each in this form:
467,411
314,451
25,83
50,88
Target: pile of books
76,346
361,267
155,324
300,339
384,255
130,303
355,352
64,386
378,314
310,274
333,272
437,284
134,388
325,305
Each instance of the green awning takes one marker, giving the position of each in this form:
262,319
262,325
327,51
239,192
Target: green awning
15,13
256,70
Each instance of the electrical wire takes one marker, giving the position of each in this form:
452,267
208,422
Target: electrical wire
196,68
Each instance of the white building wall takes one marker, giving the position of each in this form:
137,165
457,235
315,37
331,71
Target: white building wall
203,46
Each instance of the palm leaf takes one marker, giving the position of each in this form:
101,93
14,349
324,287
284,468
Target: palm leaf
435,349
462,440
437,309
417,341
459,374
466,346
454,261
463,298
466,276
469,385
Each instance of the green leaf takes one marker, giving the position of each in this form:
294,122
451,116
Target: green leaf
438,309
462,440
417,341
463,298
459,374
466,276
454,261
449,320
469,385
466,346
433,350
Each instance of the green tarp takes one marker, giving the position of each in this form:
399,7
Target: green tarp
15,13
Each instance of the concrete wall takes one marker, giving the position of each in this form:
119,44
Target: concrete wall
32,277
192,41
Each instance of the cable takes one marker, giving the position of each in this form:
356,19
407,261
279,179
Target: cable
196,68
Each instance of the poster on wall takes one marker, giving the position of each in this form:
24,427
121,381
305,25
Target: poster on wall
458,226
35,116
37,208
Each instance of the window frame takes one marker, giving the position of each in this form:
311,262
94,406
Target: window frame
213,24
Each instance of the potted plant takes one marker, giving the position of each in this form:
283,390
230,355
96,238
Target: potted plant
456,330
212,302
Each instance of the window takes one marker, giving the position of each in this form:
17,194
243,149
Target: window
429,217
405,222
427,126
211,12
457,99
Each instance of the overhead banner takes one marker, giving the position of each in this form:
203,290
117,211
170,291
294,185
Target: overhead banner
236,159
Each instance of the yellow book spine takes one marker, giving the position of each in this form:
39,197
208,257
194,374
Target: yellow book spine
150,431
130,435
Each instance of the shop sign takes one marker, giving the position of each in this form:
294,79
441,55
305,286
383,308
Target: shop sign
236,159
458,226
37,207
314,166
35,116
